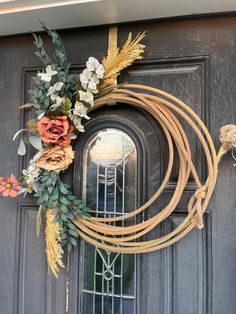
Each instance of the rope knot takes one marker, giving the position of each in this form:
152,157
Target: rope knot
200,193
198,196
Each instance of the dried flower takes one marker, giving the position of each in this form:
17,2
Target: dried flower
9,186
86,97
93,65
32,172
57,101
89,81
228,136
48,75
55,88
81,110
57,130
56,158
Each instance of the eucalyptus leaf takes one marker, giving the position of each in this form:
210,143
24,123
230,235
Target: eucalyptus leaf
62,189
45,197
69,247
70,216
36,142
21,148
64,200
64,209
63,217
73,233
71,226
73,241
50,189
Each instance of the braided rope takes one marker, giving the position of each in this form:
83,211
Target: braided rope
162,106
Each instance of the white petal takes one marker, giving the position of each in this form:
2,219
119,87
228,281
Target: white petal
53,97
58,86
58,101
49,70
86,96
100,71
44,77
92,87
73,136
51,90
84,85
92,63
81,110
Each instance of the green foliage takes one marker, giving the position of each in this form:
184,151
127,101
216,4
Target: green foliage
38,95
59,62
54,194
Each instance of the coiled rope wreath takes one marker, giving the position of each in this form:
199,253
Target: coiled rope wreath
61,104
161,106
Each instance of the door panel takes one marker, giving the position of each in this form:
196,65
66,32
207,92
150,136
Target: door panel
195,61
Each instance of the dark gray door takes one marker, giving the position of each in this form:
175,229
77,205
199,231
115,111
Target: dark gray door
195,61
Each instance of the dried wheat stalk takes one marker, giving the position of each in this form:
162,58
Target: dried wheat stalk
117,60
53,248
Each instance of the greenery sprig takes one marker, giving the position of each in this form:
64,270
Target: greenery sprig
53,194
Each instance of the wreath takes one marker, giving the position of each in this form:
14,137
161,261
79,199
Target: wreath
62,103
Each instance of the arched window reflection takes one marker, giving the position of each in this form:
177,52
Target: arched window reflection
110,188
110,161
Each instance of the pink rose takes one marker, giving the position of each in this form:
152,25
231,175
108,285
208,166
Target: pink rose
56,130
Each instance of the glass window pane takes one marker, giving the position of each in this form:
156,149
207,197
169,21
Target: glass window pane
110,187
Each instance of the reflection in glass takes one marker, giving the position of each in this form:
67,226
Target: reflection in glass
110,186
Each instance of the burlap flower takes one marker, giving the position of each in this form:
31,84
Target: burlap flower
56,158
228,136
57,130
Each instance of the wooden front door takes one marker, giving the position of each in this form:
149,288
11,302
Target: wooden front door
195,61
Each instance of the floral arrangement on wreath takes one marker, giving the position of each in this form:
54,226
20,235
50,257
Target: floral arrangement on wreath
61,103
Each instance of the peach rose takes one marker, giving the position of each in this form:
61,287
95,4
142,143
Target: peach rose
57,130
56,158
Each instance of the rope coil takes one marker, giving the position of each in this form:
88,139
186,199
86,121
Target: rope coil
163,107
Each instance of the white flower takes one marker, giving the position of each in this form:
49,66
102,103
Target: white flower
55,88
93,65
76,115
89,81
53,97
87,97
80,110
32,172
48,75
77,122
58,100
